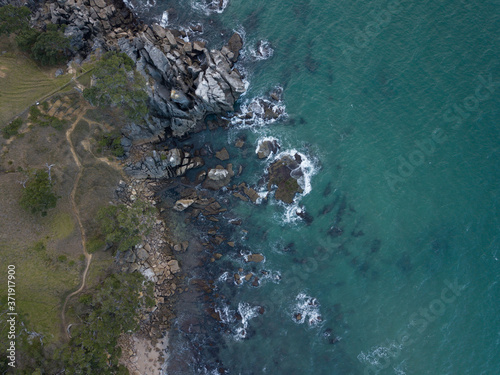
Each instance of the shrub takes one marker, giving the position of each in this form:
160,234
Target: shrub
95,244
107,312
48,47
112,142
12,129
38,196
122,226
13,19
117,84
51,47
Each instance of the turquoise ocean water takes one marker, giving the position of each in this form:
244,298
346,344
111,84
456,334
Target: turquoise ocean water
395,104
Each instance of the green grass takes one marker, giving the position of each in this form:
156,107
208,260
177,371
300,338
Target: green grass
41,285
85,78
23,82
62,225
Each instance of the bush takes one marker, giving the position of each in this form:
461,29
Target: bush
12,129
26,39
38,196
95,244
13,19
107,313
51,47
117,84
122,226
112,142
37,117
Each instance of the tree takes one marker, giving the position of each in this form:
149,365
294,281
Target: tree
122,226
106,314
13,19
51,47
13,128
26,39
117,84
38,195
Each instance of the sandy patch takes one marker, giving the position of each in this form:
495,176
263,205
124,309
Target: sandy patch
142,358
2,74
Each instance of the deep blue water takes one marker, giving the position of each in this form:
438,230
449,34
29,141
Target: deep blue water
395,105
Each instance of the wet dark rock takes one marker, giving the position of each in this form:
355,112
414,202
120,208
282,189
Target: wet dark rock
234,45
307,217
335,231
267,148
255,258
218,177
280,175
222,154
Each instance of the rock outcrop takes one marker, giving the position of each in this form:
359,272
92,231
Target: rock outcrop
161,164
283,174
267,148
186,81
218,177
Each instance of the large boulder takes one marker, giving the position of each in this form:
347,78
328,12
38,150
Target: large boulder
218,177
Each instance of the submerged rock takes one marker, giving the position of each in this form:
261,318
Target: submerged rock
222,154
182,204
255,258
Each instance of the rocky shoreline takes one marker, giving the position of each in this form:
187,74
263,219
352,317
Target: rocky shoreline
191,88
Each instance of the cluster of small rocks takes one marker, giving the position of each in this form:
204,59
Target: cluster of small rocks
154,258
90,23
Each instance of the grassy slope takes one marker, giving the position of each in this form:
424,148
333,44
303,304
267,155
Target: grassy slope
22,81
46,276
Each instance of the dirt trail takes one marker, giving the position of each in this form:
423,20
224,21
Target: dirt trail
88,257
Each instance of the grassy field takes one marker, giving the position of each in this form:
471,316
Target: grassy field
47,251
22,81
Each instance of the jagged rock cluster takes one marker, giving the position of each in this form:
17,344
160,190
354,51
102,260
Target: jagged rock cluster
283,173
161,164
187,80
90,23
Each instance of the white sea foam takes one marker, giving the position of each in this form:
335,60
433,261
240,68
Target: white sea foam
253,113
224,277
308,168
139,4
306,309
380,355
164,19
262,51
238,327
208,7
247,312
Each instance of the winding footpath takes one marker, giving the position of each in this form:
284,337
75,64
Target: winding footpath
88,257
